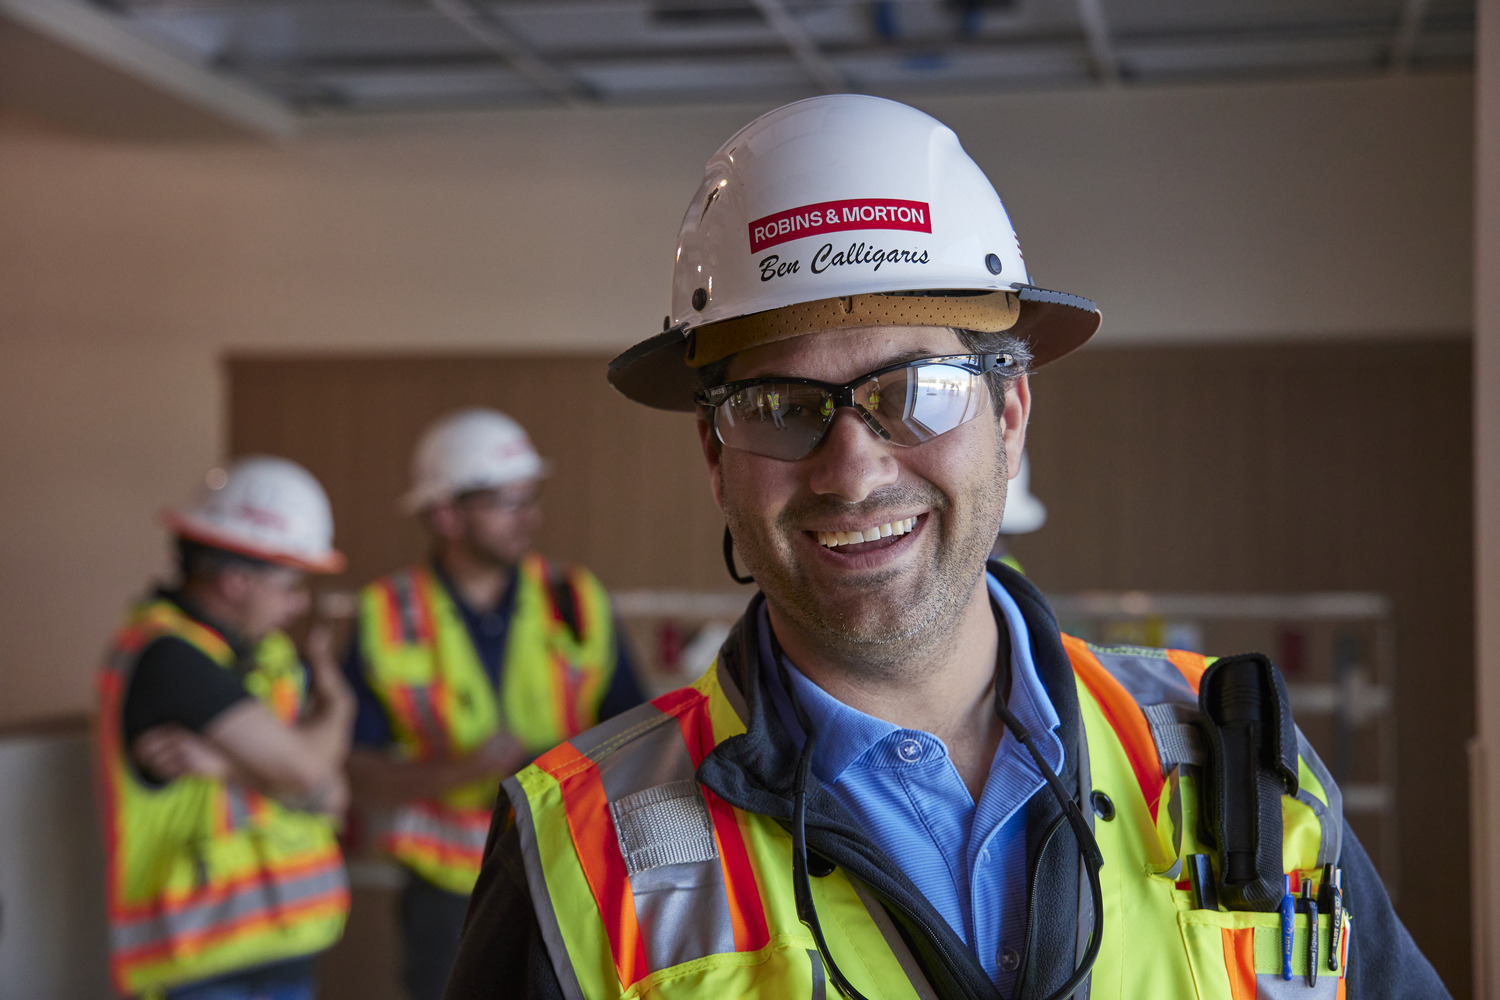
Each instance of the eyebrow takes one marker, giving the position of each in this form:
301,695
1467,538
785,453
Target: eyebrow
899,358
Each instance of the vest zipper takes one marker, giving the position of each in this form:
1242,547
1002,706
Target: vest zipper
1029,944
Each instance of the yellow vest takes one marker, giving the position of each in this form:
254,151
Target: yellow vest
206,877
422,665
647,884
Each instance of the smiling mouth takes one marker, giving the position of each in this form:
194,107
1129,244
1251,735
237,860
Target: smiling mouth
892,529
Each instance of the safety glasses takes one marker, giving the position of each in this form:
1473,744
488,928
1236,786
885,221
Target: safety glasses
905,404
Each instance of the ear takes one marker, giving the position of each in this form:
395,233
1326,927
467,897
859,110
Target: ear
713,454
1013,418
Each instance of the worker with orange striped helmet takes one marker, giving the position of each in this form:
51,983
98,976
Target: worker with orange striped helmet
900,779
221,756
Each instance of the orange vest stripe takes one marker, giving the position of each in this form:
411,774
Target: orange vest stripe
1239,962
747,913
592,827
1191,665
1125,717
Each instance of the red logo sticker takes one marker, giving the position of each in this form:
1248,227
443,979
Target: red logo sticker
838,216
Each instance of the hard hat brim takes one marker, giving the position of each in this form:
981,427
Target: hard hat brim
655,372
186,526
417,500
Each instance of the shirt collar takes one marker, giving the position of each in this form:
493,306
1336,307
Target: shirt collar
845,734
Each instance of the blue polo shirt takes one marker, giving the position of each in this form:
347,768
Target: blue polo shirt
967,858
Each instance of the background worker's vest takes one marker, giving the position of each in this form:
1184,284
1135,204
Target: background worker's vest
559,657
647,884
204,876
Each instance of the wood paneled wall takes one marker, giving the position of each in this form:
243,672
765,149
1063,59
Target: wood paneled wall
1265,467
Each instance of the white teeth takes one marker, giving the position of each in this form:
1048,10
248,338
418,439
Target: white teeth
833,539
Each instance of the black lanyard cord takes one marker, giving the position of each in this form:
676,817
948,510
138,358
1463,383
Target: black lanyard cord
1088,847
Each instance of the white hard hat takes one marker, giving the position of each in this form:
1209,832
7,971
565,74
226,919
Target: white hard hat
470,450
842,210
1024,513
266,508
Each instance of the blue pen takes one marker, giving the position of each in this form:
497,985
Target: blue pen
1288,925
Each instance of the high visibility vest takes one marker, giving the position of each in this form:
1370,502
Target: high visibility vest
421,663
647,884
206,877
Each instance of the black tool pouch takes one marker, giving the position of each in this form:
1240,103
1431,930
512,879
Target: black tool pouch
1252,760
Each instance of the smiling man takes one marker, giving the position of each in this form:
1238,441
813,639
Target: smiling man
899,779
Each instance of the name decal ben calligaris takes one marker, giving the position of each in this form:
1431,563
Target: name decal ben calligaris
839,216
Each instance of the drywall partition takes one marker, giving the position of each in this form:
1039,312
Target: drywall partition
1312,209
53,935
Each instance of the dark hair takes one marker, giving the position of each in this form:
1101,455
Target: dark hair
197,561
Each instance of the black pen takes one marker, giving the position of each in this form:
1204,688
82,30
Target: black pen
1310,907
1334,876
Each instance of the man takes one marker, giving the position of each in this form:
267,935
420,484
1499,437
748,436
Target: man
468,667
899,779
221,758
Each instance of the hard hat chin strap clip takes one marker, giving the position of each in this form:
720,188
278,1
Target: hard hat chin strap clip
734,574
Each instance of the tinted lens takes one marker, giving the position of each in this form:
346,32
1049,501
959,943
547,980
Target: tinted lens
774,419
919,402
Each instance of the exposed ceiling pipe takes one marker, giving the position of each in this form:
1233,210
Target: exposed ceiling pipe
814,63
1096,32
485,27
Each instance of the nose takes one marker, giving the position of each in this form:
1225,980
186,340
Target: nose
851,461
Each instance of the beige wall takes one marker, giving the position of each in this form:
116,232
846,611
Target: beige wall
1319,209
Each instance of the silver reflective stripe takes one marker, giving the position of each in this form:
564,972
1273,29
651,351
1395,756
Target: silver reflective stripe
683,908
893,940
819,981
427,718
1147,674
1330,816
602,740
406,608
416,821
1178,738
262,895
663,825
541,900
239,808
1270,986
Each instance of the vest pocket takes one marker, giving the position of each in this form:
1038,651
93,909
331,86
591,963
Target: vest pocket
1237,956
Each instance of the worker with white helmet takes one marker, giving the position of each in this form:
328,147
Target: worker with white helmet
221,756
900,779
1023,514
468,666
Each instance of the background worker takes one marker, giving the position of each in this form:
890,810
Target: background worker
469,666
1024,513
221,756
900,779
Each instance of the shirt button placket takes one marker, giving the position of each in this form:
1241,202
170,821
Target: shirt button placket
1010,959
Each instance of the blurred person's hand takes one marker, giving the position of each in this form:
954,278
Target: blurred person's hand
170,751
327,685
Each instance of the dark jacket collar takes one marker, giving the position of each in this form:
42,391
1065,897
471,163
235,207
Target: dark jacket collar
755,772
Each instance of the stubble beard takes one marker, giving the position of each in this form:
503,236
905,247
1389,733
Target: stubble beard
882,623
